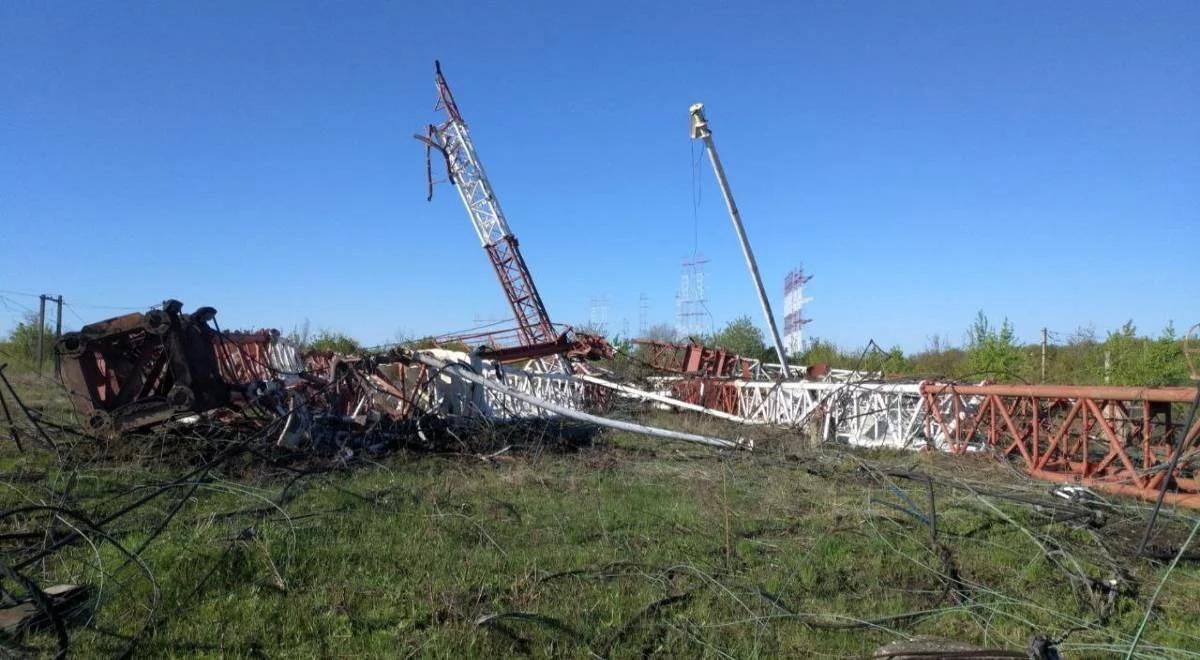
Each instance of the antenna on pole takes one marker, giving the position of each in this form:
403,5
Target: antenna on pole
700,131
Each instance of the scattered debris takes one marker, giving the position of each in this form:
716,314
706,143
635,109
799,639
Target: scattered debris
137,370
29,613
140,370
923,648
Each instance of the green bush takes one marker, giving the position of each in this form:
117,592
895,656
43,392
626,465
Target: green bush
328,340
742,337
993,352
19,349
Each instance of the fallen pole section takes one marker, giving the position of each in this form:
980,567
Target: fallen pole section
700,131
665,400
466,374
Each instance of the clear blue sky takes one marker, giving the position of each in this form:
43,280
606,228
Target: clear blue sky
924,160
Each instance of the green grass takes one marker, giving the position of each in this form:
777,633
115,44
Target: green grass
627,549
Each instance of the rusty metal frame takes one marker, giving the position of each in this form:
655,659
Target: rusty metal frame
715,394
139,369
696,359
1118,439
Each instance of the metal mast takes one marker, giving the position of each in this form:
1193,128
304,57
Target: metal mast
700,131
793,310
466,173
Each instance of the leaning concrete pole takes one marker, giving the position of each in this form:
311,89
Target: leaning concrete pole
58,332
700,131
41,330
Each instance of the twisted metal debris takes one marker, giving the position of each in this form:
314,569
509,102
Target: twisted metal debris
264,402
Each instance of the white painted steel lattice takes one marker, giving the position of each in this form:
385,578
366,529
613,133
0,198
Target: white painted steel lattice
793,311
466,173
864,414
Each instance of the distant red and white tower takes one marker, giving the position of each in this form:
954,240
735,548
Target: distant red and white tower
793,311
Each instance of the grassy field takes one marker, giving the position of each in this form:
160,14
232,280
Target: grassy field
623,547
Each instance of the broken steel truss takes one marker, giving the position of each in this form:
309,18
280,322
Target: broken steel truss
1118,439
536,335
138,370
491,345
465,170
696,359
867,414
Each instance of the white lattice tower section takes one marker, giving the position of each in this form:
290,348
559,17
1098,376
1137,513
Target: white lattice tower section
793,311
692,318
466,172
598,315
643,314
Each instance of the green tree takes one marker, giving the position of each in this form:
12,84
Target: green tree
1123,359
21,345
327,340
895,363
1080,361
1135,360
821,351
1165,363
993,352
939,359
741,336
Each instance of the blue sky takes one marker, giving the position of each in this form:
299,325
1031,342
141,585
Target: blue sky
924,160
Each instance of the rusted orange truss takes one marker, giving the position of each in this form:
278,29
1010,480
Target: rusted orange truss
1118,439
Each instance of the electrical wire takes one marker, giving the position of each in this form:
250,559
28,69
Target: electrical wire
1162,490
71,309
84,305
6,301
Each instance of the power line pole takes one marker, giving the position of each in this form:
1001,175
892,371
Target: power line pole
1044,355
57,329
41,329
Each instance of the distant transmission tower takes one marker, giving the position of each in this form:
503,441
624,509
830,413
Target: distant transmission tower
643,314
793,311
598,314
691,317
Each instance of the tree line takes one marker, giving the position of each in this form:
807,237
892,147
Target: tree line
990,352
